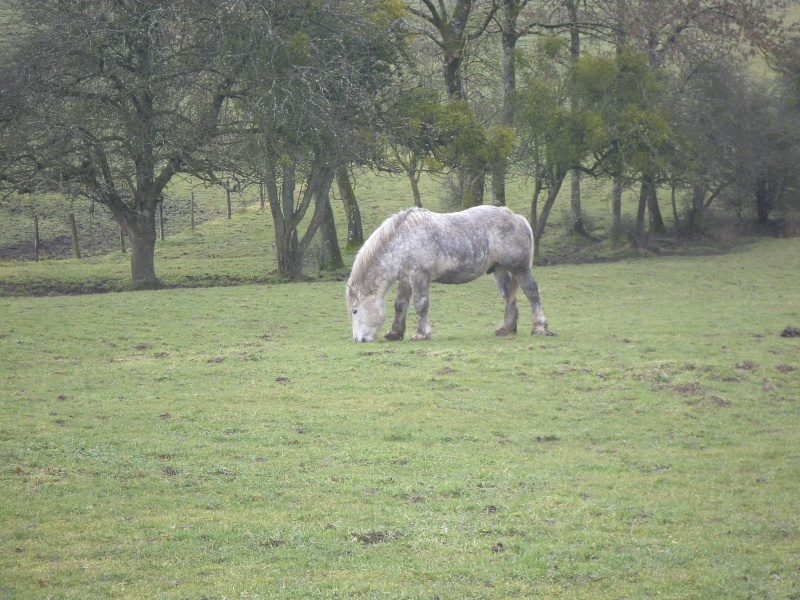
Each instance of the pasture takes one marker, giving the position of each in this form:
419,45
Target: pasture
235,442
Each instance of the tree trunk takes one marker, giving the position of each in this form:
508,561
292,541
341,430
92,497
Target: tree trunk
656,220
673,189
638,238
287,215
142,232
576,210
292,267
695,213
499,184
281,201
414,181
453,40
616,207
539,220
355,230
330,257
290,261
508,27
765,194
473,186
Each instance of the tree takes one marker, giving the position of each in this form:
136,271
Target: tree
124,97
671,33
330,255
576,211
423,133
447,25
551,17
621,96
553,137
415,128
311,108
448,29
767,166
129,94
510,33
709,112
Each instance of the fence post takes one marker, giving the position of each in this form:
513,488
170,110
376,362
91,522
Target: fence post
191,210
76,251
261,194
122,239
228,195
36,238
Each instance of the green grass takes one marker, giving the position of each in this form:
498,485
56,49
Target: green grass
234,442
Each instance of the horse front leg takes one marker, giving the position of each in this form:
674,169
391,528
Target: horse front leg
508,290
422,303
401,304
528,285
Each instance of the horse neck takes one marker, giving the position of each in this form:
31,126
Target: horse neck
378,278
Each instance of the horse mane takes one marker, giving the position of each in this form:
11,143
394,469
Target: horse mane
379,241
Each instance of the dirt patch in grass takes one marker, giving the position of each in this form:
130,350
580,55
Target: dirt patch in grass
747,365
687,389
377,537
709,401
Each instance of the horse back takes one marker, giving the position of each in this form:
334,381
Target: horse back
474,242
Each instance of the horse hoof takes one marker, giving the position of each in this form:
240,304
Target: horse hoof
544,333
394,337
505,332
420,337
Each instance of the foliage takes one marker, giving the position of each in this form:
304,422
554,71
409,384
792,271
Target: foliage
621,96
426,134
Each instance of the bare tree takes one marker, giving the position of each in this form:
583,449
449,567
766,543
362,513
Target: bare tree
121,99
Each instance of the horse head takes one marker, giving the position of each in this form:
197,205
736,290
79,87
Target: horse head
367,313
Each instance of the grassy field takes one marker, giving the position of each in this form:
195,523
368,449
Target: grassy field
234,442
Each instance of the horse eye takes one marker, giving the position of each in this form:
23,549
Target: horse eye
355,310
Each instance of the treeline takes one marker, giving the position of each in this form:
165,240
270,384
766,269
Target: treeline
112,99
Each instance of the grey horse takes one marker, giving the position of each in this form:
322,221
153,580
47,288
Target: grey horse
417,246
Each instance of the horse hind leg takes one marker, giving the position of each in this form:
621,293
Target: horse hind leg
421,306
531,289
508,285
401,303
